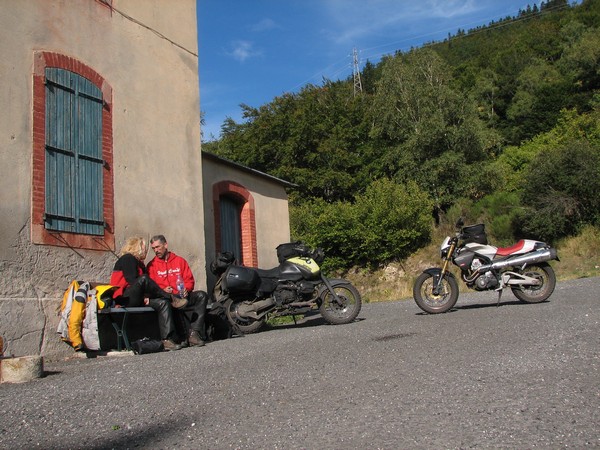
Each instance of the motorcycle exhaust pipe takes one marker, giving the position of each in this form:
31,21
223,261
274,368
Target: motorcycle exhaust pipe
530,258
251,310
302,304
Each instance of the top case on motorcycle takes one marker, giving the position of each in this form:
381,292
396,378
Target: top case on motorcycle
474,234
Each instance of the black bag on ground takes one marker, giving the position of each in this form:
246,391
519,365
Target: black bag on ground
217,325
147,345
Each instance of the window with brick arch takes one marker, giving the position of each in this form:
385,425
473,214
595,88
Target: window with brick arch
72,192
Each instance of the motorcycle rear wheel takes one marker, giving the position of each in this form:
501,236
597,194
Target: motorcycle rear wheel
245,325
435,304
344,312
536,294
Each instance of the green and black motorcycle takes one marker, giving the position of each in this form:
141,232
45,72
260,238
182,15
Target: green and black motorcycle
295,287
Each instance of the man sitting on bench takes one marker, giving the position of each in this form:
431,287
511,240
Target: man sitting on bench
165,268
136,288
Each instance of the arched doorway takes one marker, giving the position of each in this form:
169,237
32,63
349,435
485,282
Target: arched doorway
235,224
231,225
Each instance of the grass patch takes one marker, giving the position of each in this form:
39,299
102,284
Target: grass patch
579,255
282,320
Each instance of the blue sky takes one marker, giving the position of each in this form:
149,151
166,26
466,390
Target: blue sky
251,51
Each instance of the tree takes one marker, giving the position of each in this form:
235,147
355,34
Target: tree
542,92
434,130
561,191
559,187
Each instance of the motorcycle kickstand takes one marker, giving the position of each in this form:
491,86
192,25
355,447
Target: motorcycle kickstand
499,297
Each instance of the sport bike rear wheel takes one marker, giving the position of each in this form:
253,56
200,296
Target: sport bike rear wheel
542,272
430,302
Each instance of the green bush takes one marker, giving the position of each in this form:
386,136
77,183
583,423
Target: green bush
560,191
394,220
328,226
496,211
389,221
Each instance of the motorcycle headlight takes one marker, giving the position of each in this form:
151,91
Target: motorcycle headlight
444,247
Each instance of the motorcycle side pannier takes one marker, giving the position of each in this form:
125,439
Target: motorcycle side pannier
291,250
474,234
241,280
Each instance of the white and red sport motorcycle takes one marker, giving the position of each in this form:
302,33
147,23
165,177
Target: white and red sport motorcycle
522,267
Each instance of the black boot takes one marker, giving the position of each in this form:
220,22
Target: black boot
198,301
194,339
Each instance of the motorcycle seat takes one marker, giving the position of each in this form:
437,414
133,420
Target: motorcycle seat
506,251
268,273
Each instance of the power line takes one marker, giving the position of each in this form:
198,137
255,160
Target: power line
156,32
484,28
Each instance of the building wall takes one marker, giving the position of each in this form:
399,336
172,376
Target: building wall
270,205
147,51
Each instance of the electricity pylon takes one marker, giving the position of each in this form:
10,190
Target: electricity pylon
356,73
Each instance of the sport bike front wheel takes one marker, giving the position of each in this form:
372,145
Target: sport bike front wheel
432,303
542,272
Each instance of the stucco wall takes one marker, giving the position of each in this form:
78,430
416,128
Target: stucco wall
147,52
271,210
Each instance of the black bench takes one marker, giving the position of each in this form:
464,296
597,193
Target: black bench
120,326
119,318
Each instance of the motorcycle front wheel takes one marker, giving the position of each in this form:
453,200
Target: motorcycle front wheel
430,302
542,272
344,311
245,325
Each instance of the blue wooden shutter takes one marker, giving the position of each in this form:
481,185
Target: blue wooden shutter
74,188
231,236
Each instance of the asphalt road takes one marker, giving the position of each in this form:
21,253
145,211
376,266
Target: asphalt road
481,376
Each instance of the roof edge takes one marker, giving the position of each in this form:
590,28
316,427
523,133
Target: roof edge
247,169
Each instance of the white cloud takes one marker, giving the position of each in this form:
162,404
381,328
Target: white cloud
243,50
265,24
451,8
353,20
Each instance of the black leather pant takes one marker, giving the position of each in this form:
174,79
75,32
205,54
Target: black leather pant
194,314
144,287
166,325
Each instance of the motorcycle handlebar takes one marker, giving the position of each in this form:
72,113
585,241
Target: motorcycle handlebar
318,255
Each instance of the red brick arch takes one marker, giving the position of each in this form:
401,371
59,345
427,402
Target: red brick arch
248,219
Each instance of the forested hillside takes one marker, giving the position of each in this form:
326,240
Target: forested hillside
498,124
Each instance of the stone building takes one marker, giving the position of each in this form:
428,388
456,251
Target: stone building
100,140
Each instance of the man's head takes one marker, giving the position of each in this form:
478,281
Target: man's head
158,243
